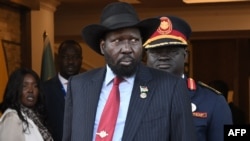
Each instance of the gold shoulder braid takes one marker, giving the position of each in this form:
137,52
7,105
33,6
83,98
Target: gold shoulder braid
209,87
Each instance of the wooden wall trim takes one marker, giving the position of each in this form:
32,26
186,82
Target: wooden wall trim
31,4
221,35
26,38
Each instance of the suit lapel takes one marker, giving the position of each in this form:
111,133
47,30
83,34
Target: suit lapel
138,105
59,90
93,89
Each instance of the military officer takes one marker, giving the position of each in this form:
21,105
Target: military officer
167,50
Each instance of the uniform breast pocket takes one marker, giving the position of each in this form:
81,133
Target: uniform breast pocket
200,121
201,126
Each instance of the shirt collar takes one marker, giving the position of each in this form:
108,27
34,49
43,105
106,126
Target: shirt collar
110,76
62,79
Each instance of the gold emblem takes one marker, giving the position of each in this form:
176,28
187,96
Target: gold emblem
144,91
166,26
102,134
143,95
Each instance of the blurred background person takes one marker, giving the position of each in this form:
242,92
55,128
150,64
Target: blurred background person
237,113
69,61
23,109
166,50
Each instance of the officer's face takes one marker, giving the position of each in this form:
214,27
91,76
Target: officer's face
167,58
122,50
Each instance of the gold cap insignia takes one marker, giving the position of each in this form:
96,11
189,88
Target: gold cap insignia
165,26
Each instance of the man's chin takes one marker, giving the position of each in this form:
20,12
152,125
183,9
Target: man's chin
70,73
164,69
125,70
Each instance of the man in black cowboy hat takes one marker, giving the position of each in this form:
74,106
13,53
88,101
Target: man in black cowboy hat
166,50
151,105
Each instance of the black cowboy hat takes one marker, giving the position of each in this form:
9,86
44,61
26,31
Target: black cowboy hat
117,15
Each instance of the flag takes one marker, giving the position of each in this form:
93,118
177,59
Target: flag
48,66
3,73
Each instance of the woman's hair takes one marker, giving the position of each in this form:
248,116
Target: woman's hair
13,93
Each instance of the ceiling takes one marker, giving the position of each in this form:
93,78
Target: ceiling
69,11
104,2
87,4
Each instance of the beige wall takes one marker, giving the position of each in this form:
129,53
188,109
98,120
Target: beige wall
41,20
69,23
206,18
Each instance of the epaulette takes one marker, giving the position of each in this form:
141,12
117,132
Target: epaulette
209,87
191,84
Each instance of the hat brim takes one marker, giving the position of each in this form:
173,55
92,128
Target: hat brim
92,34
165,42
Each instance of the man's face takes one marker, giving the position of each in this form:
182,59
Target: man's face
167,58
122,50
70,61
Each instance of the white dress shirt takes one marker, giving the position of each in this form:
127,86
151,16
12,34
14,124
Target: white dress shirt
63,81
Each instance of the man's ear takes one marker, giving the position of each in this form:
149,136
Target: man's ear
102,46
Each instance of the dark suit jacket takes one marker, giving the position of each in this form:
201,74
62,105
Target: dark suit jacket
54,102
165,115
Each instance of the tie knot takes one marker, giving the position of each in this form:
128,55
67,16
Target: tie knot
117,80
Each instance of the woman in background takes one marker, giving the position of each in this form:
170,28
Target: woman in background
23,109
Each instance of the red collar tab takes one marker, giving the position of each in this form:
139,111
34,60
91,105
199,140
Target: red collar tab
191,84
